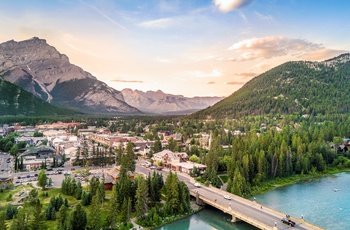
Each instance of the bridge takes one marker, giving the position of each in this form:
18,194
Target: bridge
239,208
245,210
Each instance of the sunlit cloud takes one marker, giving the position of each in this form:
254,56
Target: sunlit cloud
245,75
158,23
163,60
128,81
234,83
229,5
323,54
210,82
201,74
269,47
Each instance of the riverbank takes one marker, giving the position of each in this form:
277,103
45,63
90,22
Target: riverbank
272,184
195,209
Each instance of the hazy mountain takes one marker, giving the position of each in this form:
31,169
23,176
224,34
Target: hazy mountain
300,87
162,103
40,69
16,101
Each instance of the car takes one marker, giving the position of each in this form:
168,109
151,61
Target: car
198,185
288,222
227,197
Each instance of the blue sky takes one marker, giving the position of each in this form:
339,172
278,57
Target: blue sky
193,48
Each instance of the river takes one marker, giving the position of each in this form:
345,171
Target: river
324,202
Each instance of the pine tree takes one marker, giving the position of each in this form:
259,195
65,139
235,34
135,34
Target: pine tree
141,205
94,217
113,208
63,221
78,218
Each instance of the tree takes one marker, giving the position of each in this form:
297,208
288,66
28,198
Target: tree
37,222
21,222
78,218
94,217
113,208
42,179
141,199
63,222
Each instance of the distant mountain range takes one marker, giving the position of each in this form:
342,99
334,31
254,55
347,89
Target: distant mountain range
163,103
41,70
299,87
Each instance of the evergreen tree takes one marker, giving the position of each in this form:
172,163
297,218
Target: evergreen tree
94,217
63,221
78,218
113,208
141,205
21,222
38,220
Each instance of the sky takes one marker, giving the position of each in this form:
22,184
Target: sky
186,47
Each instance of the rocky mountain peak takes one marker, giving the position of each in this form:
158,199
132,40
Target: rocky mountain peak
40,69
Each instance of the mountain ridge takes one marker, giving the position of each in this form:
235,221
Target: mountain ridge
41,70
301,87
164,103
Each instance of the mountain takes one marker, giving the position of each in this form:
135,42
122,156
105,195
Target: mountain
300,87
162,103
18,102
41,70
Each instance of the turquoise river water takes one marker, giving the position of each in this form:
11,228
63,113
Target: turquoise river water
324,202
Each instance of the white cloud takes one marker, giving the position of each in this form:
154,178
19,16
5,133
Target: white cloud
269,47
158,23
201,74
229,5
263,17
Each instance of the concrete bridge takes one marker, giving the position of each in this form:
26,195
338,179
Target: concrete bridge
245,210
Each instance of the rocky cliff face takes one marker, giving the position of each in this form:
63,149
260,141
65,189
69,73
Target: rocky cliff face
40,69
159,102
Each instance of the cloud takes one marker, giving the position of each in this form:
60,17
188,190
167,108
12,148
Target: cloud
128,81
229,5
210,82
158,23
245,75
323,54
201,74
234,83
263,17
104,15
269,47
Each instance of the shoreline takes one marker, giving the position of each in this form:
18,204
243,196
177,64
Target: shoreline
280,182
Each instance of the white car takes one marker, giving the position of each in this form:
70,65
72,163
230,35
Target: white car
227,197
198,185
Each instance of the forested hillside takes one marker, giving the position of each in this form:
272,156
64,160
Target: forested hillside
18,102
294,87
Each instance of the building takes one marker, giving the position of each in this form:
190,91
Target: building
112,176
167,157
33,157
